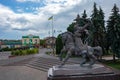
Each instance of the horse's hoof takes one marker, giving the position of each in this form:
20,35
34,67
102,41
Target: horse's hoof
90,66
60,58
81,65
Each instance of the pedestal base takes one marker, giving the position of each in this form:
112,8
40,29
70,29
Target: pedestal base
75,72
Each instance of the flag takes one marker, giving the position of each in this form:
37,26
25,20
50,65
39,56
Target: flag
50,18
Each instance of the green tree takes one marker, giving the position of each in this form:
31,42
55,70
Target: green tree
42,42
101,30
84,15
59,44
101,18
98,28
71,27
81,21
113,32
84,20
95,28
77,20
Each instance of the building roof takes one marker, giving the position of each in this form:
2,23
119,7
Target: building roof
47,38
30,36
11,43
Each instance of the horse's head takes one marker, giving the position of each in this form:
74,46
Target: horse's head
66,36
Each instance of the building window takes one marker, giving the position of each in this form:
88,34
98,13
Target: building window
30,41
35,41
24,41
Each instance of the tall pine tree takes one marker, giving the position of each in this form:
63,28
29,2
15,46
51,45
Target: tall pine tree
81,21
113,32
84,20
98,29
95,39
71,26
101,17
101,30
84,15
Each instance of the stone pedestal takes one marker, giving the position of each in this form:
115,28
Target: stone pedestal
75,72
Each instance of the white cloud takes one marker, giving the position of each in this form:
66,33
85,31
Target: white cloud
66,2
58,6
64,12
28,0
27,21
54,6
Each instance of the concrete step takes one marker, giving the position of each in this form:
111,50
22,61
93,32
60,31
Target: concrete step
35,67
45,63
56,60
19,63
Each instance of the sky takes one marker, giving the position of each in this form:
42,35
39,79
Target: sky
23,17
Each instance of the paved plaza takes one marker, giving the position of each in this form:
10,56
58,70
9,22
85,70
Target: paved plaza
21,73
15,68
31,67
4,55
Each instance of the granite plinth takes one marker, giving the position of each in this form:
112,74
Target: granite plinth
76,72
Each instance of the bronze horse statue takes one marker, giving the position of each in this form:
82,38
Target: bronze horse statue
87,52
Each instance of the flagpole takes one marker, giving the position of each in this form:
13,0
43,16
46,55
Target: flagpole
49,33
52,44
52,35
52,28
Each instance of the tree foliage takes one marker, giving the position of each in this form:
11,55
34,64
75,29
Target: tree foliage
84,15
107,37
98,28
71,27
42,42
113,31
59,44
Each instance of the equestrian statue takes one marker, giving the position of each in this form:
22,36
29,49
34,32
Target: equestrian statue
73,44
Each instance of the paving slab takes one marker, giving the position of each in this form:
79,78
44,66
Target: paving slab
15,59
21,73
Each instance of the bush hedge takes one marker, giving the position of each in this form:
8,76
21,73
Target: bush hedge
24,52
6,49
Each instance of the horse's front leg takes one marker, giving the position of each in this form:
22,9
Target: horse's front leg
60,56
84,60
66,58
92,60
61,53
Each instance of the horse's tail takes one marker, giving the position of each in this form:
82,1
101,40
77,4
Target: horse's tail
98,52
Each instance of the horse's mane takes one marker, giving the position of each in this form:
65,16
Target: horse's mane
68,32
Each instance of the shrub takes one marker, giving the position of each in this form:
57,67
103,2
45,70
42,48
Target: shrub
17,52
13,53
24,52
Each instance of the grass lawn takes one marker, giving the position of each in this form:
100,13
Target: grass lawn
113,64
